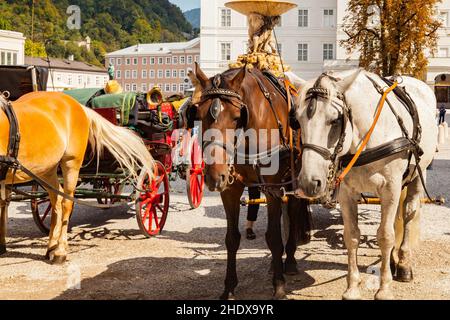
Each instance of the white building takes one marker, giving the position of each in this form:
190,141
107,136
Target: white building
68,74
12,48
308,36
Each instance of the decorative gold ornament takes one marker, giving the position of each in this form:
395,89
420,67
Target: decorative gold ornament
263,16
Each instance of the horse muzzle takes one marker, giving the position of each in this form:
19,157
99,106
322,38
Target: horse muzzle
311,188
216,180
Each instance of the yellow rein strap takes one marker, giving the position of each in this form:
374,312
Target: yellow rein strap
369,134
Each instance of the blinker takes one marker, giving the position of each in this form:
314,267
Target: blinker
216,108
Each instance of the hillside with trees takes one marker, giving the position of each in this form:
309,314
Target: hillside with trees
111,25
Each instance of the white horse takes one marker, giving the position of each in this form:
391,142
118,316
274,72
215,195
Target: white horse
321,130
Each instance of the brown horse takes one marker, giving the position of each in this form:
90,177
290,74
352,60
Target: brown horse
55,130
234,100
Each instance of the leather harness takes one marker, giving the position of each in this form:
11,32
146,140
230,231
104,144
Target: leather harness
405,143
7,161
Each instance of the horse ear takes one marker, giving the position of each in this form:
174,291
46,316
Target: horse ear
200,75
236,82
345,84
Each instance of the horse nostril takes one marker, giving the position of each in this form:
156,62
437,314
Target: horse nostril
222,178
317,185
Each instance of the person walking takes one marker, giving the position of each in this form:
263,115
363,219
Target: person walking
252,214
442,113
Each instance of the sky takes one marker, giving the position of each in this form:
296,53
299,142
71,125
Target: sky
186,5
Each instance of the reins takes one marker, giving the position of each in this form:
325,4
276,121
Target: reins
368,135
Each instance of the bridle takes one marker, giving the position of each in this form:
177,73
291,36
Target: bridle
313,95
218,95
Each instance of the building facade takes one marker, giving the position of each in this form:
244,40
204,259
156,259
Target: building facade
12,48
166,65
308,37
66,74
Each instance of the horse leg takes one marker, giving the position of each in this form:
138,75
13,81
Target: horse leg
56,219
295,232
410,218
3,226
390,198
230,199
349,207
70,170
275,242
399,231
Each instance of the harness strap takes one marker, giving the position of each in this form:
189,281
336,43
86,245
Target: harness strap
267,96
368,135
14,138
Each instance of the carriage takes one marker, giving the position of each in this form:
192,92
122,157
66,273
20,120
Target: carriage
176,151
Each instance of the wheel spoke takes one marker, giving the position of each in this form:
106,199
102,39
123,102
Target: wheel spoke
46,212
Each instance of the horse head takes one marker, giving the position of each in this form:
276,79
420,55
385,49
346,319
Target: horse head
217,104
325,120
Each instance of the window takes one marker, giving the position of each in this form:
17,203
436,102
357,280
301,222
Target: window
160,60
182,74
135,61
135,74
328,51
152,60
144,87
167,87
111,61
127,74
174,73
168,73
280,49
443,16
152,74
174,87
225,17
97,80
8,58
328,18
80,79
128,61
189,60
181,87
168,60
134,87
197,58
69,80
118,74
225,51
144,61
127,87
160,74
144,74
302,52
160,85
303,18
175,60
182,60
443,52
119,61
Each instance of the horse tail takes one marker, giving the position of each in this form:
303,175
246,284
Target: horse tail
124,145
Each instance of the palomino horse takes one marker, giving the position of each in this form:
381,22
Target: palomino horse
336,114
234,100
55,131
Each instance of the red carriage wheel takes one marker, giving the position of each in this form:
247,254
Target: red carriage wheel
152,201
195,178
41,210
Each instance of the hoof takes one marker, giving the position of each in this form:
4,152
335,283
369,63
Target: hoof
384,295
291,269
279,292
404,274
58,260
352,294
228,296
2,249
